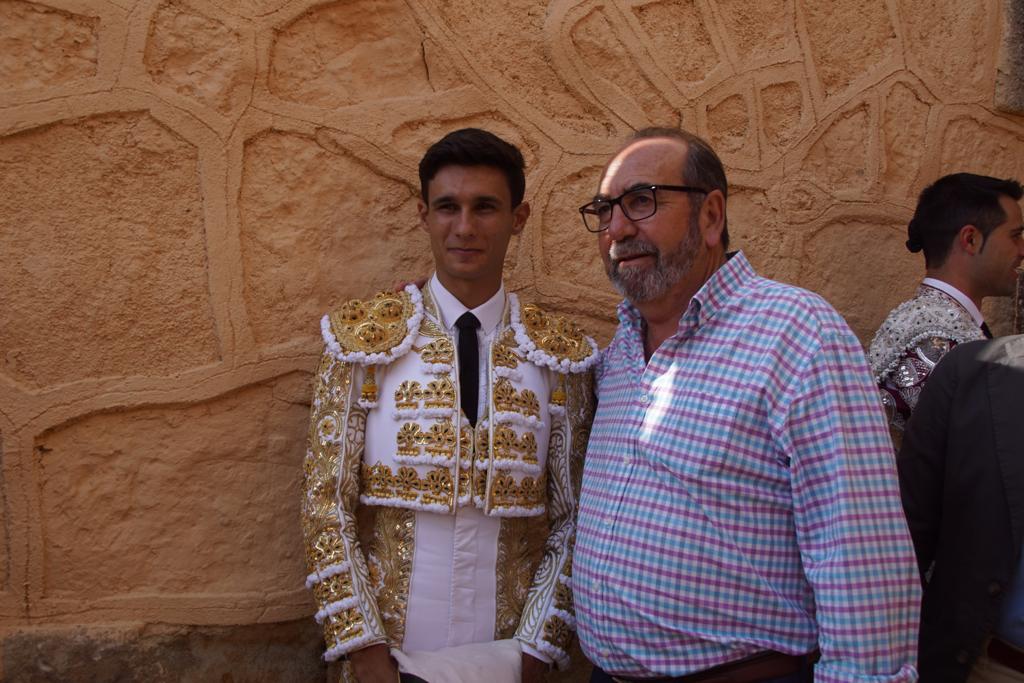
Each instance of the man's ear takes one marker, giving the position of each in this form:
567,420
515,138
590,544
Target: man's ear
970,239
712,218
520,214
422,210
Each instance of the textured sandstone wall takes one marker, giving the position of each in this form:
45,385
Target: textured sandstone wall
185,185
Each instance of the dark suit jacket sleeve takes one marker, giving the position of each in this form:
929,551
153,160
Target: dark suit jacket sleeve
922,458
962,481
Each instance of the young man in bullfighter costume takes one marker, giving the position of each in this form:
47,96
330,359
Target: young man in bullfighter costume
448,430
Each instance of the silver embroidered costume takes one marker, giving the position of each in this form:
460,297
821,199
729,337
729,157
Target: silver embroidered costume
913,338
389,444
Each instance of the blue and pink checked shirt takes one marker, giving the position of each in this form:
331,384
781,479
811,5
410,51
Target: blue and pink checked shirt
740,494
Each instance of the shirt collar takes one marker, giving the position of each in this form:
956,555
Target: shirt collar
725,283
957,295
450,308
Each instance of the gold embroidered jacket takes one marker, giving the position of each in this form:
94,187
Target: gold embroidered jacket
521,463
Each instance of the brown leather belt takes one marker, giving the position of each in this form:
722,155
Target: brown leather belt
762,666
1006,654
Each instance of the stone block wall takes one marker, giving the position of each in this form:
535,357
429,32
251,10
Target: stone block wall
186,185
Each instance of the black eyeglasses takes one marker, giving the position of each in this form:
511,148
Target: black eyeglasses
636,204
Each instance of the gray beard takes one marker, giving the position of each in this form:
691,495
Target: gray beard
642,285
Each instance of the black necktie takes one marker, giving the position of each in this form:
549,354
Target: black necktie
469,364
985,331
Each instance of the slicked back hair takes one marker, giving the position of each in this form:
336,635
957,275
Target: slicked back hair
702,168
475,147
950,203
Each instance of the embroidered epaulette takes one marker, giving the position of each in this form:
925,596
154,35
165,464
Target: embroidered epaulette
551,341
375,331
931,313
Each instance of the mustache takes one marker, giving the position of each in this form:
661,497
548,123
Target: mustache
632,249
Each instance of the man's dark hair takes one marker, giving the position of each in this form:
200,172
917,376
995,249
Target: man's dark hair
475,147
702,169
950,203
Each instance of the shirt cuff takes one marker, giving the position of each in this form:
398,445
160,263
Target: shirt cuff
827,673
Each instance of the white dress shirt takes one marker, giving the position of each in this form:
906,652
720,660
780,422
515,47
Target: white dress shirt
452,591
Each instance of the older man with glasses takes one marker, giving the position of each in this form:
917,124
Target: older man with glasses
740,516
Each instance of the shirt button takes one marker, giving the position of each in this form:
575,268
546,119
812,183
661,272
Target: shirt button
994,588
962,657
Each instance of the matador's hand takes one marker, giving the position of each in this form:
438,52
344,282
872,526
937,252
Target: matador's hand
373,664
534,670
